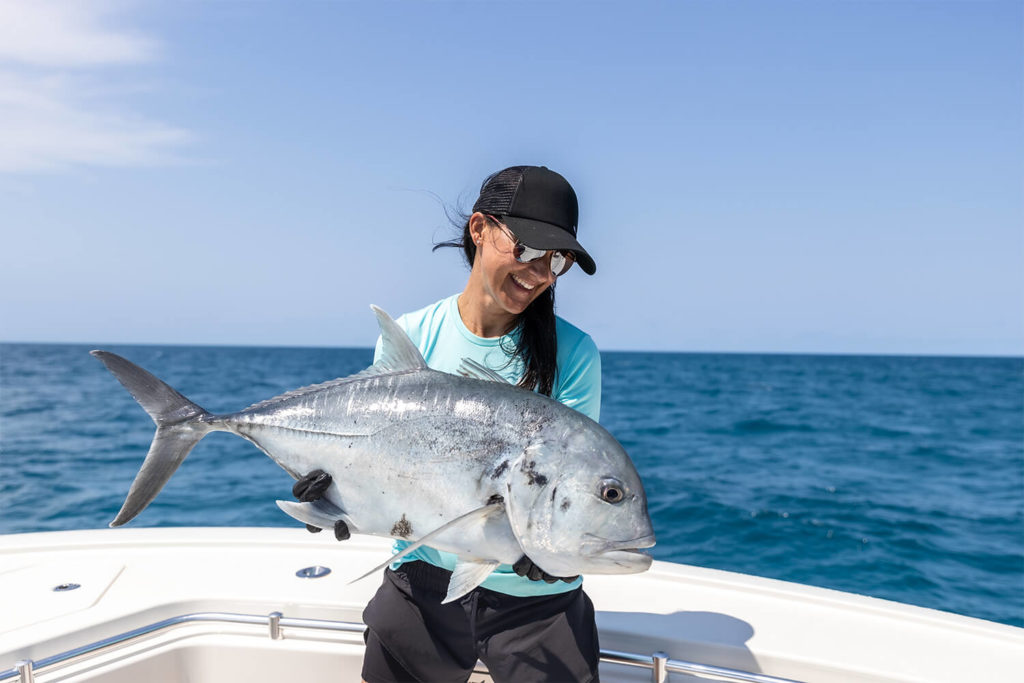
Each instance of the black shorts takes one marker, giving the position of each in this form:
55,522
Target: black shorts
411,636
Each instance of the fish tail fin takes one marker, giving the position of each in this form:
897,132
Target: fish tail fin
179,422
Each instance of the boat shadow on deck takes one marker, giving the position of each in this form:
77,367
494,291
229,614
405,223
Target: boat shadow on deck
706,637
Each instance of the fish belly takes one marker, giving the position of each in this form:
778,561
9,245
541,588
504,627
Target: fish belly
404,478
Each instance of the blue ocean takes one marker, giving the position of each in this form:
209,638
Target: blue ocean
895,477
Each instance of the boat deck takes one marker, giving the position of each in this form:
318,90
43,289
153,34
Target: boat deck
239,608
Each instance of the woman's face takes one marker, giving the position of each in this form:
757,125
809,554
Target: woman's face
511,285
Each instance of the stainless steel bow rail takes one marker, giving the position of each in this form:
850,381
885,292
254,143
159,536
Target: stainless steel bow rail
659,663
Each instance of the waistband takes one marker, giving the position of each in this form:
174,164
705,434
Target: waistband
425,575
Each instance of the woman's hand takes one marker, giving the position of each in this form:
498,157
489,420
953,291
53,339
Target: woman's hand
312,488
524,566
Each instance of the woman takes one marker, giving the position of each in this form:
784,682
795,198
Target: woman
523,623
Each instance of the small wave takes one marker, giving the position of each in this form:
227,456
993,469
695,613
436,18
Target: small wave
654,431
885,432
29,409
762,426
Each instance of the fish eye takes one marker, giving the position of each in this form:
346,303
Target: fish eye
611,491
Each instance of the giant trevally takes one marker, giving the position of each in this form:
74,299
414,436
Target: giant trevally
469,464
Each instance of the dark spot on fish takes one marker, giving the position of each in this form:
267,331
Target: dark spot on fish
496,498
500,469
554,490
402,528
535,477
565,505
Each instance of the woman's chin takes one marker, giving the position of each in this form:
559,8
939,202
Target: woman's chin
517,298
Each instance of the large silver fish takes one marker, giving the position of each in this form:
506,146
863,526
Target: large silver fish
468,464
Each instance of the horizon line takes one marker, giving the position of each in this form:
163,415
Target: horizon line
311,347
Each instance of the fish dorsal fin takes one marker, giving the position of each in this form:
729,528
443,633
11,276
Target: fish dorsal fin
397,352
477,515
467,575
475,370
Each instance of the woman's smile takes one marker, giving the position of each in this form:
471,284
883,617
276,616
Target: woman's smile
522,283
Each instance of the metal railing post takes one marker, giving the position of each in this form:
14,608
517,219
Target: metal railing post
659,673
275,625
25,671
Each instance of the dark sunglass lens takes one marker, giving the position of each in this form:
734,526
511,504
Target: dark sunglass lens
525,254
570,258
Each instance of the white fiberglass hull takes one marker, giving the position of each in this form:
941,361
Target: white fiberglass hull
132,578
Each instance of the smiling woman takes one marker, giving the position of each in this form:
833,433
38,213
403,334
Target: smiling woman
523,225
523,622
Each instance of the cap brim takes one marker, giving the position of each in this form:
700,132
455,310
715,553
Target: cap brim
540,235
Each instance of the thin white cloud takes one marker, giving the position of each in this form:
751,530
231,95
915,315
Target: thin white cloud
52,115
68,33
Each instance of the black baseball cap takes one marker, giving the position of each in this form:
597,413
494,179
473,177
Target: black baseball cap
539,206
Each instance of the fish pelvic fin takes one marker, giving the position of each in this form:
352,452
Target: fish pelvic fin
320,513
179,427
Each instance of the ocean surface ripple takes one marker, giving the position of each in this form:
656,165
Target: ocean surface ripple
896,477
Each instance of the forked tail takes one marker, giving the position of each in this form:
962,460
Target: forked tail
179,427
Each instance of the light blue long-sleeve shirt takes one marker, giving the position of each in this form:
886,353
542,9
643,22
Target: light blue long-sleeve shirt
444,340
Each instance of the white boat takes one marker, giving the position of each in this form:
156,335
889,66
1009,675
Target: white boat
266,604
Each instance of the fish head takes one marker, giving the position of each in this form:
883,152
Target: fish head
577,506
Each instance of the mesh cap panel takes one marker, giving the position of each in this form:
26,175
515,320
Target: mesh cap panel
498,191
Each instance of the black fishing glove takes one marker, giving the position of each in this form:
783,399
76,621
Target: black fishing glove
524,566
311,488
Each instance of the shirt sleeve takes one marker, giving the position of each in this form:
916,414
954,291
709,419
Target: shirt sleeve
579,378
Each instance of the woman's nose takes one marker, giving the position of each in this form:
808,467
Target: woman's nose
542,267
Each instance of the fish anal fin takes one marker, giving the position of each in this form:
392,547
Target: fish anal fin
467,575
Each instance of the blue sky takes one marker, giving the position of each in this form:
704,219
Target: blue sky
839,177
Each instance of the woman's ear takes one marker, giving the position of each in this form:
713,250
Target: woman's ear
477,223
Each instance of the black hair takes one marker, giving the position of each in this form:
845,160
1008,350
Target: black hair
538,344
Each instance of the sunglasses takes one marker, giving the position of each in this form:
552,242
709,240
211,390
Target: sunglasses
561,261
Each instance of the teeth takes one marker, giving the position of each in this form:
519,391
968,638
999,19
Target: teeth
522,284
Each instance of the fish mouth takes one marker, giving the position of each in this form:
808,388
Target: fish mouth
598,545
623,557
627,561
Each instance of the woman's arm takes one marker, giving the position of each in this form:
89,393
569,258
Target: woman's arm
578,384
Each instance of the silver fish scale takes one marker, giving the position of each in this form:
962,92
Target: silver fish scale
369,405
450,438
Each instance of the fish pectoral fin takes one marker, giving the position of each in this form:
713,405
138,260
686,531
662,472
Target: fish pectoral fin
467,575
320,513
475,370
477,515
